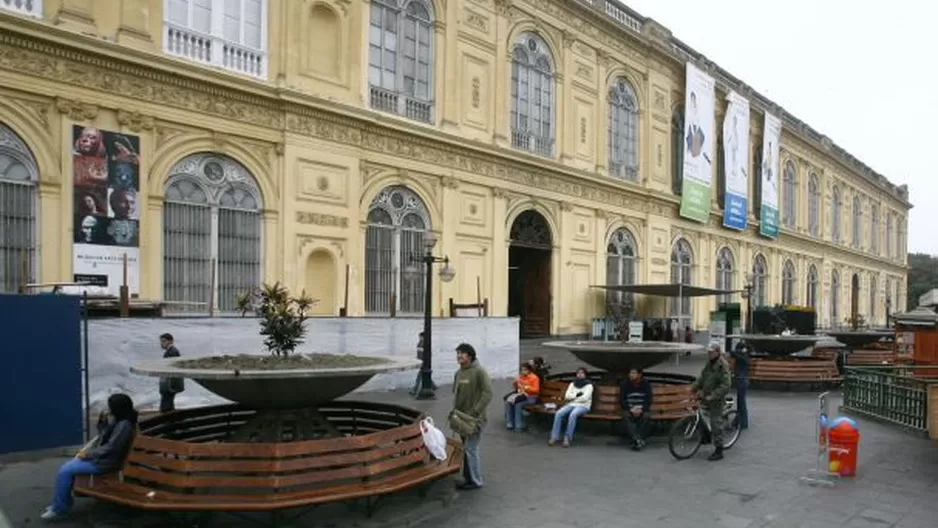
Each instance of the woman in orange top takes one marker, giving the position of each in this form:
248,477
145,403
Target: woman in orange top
527,388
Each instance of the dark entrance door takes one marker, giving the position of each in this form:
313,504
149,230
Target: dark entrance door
529,274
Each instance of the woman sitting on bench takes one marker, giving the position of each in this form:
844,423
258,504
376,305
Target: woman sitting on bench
108,456
577,401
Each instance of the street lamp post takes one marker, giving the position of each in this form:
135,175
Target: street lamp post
747,295
427,390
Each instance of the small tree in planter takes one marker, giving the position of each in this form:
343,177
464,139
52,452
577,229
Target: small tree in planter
282,316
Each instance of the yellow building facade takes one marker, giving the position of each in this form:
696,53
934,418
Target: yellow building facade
317,142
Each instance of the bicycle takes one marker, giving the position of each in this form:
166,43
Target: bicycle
691,432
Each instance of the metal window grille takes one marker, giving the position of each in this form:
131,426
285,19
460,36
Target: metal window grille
788,283
395,280
726,273
18,197
759,277
682,261
187,255
620,266
623,131
532,96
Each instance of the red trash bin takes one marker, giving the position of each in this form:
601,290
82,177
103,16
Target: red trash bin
842,449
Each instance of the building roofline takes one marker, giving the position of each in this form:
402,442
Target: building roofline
629,20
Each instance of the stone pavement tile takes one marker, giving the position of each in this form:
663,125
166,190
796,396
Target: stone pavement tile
878,516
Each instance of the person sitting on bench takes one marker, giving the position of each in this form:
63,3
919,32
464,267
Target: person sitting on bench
635,396
116,434
577,401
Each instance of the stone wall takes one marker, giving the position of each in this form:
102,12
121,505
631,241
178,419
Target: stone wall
115,344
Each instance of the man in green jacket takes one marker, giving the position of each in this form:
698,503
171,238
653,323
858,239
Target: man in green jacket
711,389
473,393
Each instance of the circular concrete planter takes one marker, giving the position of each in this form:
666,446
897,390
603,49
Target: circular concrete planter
276,389
778,345
619,357
860,338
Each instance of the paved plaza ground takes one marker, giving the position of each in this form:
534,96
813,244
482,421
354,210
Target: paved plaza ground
597,485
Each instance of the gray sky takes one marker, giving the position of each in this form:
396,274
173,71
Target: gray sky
859,71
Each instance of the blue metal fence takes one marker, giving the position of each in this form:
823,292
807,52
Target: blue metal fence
41,372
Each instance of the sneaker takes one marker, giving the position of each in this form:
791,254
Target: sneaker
566,442
551,442
51,515
717,455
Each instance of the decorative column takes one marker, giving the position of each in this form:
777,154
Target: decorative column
55,244
498,306
452,87
448,248
606,63
500,111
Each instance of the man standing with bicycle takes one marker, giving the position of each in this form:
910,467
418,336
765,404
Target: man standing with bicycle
711,389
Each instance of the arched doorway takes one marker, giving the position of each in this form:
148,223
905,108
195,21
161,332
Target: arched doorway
854,299
321,282
529,273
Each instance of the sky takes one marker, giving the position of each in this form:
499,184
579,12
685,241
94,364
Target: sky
860,72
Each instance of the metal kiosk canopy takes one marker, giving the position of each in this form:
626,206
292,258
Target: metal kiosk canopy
666,290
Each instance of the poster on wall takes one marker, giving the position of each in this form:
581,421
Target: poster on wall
768,223
106,180
698,145
736,154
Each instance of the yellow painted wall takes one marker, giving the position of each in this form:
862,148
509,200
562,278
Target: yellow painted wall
320,154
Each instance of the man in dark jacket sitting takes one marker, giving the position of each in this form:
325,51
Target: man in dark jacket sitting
635,397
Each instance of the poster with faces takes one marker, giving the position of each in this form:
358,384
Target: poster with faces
106,218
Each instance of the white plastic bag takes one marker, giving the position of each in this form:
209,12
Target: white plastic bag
433,438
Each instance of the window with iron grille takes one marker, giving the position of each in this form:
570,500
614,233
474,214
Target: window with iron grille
682,265
726,273
621,256
400,58
394,241
812,287
788,283
212,243
759,277
18,176
532,95
790,196
814,206
623,130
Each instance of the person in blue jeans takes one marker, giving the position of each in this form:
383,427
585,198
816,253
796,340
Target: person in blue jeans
116,435
577,401
527,387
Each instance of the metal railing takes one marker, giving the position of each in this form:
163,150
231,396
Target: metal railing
402,105
214,51
894,394
31,8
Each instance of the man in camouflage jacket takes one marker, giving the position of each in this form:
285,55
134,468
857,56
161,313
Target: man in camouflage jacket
712,387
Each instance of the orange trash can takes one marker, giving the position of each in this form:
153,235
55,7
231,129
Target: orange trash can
842,448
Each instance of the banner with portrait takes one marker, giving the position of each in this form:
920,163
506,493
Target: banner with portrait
697,175
768,223
106,181
736,155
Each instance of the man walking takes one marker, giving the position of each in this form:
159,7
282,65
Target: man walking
635,397
473,393
711,389
169,387
741,379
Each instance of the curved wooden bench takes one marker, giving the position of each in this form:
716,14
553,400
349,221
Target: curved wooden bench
793,370
873,356
178,476
669,402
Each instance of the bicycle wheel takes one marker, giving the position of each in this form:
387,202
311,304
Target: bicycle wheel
731,429
685,438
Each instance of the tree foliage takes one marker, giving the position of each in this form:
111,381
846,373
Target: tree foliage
282,316
923,277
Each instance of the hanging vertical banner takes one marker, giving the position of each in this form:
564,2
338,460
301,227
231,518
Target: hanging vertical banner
768,223
736,154
106,180
698,145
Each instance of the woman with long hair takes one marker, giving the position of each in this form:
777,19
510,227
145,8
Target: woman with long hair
577,401
116,434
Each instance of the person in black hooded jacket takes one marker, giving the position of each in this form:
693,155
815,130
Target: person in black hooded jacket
635,396
108,456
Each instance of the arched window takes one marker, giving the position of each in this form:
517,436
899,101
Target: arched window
397,224
18,176
814,206
726,273
682,263
788,283
532,95
759,277
874,229
812,287
835,214
400,58
835,298
677,151
211,229
790,196
890,245
623,130
873,298
621,255
857,218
